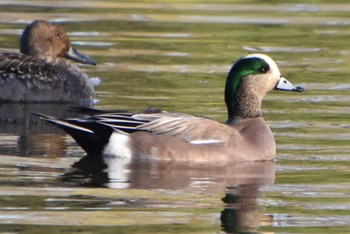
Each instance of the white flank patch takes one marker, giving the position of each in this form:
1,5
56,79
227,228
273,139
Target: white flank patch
95,81
204,141
118,145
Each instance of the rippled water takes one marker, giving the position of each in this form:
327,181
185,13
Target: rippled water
175,56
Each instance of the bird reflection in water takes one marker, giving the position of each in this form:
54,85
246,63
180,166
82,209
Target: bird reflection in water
23,134
240,182
242,213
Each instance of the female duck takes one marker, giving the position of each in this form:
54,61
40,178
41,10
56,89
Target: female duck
245,136
38,73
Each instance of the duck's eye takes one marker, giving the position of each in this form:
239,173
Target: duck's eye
57,34
264,69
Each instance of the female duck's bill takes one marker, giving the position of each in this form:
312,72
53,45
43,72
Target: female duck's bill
245,136
40,73
78,57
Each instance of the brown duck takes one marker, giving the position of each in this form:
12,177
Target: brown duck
39,73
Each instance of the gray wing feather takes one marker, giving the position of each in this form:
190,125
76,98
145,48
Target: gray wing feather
186,127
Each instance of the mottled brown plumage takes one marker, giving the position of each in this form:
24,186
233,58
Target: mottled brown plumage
40,73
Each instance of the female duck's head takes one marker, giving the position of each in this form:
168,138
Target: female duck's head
49,41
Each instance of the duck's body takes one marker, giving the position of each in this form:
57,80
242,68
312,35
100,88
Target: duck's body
245,136
205,140
40,73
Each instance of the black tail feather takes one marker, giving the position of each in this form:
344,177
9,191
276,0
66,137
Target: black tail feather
89,134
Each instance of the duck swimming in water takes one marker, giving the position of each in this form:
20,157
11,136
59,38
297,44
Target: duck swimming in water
40,72
245,136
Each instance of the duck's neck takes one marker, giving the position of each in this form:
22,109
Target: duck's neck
242,102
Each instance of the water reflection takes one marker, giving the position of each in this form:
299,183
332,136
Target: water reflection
159,174
30,136
242,211
240,181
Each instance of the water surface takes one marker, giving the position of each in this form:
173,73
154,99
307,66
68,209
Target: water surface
175,56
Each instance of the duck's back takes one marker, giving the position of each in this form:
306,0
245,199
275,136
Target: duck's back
24,78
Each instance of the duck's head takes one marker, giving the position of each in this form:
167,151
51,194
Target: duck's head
49,41
248,81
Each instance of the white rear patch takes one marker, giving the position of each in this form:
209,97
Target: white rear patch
118,145
204,141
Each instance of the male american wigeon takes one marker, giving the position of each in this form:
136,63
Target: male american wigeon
245,136
39,73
